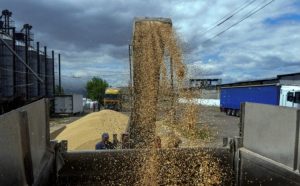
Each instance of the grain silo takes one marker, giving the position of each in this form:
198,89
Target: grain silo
26,74
6,70
20,71
42,75
49,77
32,80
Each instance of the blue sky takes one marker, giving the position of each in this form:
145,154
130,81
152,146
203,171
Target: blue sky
93,36
292,18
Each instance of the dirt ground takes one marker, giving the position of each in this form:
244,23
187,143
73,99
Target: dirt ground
57,123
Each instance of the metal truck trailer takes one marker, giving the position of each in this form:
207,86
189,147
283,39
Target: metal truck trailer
233,97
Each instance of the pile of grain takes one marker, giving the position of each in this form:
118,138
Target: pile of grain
84,133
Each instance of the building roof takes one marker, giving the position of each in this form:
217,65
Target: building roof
256,82
260,81
195,79
291,74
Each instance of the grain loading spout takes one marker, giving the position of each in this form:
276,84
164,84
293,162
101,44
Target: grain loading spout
147,54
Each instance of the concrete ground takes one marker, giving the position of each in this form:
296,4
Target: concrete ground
220,124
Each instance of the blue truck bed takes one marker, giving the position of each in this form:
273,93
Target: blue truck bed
232,97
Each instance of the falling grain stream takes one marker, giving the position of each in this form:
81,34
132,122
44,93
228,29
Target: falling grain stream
154,81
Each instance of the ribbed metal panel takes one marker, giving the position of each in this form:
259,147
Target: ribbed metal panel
42,74
20,73
32,80
6,71
50,74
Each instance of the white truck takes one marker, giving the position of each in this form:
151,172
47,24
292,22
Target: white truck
290,96
68,104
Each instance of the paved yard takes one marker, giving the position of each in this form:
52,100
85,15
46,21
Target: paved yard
221,124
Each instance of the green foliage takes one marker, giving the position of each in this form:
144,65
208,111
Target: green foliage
57,92
96,88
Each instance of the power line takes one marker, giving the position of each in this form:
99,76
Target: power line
228,16
254,11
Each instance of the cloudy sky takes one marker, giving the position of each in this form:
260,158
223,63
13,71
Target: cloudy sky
93,35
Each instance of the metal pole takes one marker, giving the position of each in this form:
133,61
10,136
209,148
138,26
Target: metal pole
46,69
38,65
14,62
172,74
53,73
130,69
172,91
21,60
59,75
26,61
130,79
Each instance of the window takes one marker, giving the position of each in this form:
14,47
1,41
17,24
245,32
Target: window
297,97
290,96
111,96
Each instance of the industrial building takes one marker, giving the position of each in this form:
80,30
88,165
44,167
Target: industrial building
283,79
208,87
26,71
204,83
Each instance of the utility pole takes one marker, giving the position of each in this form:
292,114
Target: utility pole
130,69
59,75
172,91
46,74
53,74
38,65
130,78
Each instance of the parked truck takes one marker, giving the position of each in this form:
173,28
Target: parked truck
282,95
113,99
68,104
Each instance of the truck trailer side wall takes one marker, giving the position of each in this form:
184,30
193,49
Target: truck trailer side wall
232,97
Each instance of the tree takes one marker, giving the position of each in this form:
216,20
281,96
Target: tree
57,92
96,88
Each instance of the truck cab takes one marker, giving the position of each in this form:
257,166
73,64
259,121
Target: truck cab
290,96
112,99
